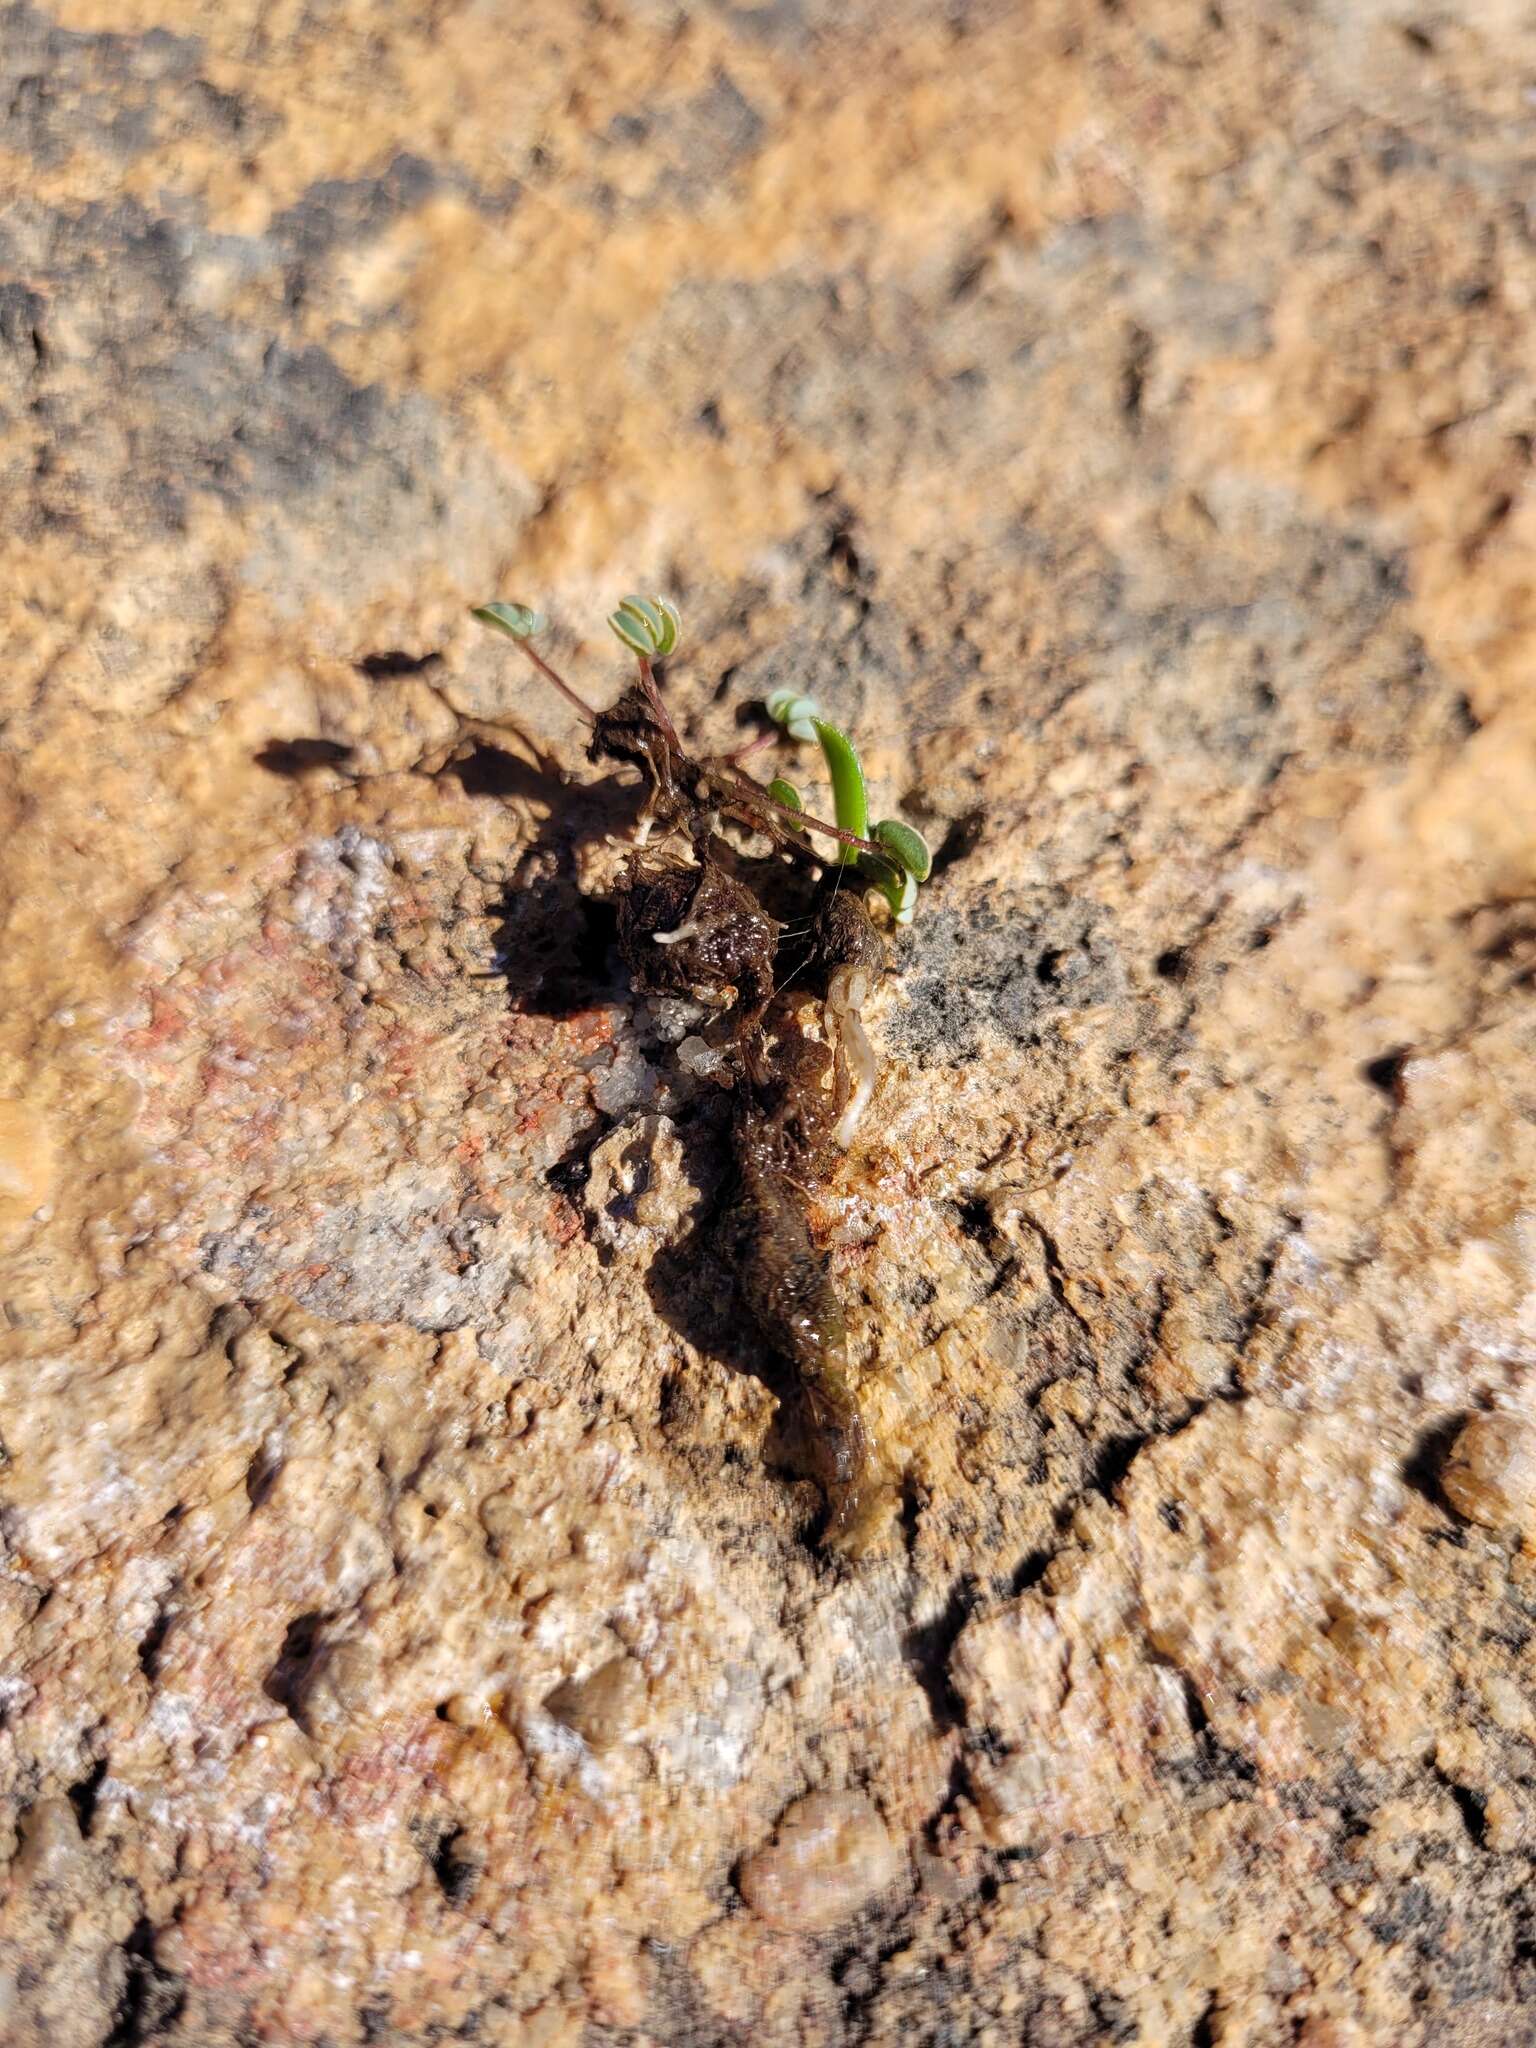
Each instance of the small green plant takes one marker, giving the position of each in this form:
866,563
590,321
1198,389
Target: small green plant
893,857
649,627
900,859
517,621
753,940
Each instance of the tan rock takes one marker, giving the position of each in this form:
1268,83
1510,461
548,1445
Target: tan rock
737,1963
638,1194
1079,1720
1490,1474
26,1163
1507,1819
603,1707
51,1849
411,1614
831,1854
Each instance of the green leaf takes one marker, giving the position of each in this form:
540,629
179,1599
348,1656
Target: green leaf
648,626
909,847
517,621
896,885
632,632
785,793
850,804
903,900
884,874
796,713
651,620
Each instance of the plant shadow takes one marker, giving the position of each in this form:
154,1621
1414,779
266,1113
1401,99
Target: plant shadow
552,946
692,1286
554,949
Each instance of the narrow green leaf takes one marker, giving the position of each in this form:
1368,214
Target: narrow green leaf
909,847
850,804
672,626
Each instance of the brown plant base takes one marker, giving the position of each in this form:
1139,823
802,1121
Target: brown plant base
693,921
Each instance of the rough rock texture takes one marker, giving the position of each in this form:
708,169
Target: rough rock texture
1122,417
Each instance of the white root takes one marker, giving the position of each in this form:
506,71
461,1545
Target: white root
684,931
846,990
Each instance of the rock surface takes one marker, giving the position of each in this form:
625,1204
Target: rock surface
1490,1476
1122,419
830,1856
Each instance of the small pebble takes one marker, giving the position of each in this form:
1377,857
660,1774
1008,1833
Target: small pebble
602,1708
830,1855
1490,1475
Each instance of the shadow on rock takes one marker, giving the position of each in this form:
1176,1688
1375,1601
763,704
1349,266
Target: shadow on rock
293,758
553,946
693,1287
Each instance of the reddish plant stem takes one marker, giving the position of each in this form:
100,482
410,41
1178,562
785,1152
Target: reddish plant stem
753,746
653,698
804,818
559,682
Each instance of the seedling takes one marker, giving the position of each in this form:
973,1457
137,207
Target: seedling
697,917
899,858
649,628
894,859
